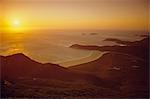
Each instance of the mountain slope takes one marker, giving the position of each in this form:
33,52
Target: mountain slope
24,77
126,65
18,66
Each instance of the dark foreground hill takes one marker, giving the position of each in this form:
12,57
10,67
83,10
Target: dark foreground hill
123,72
18,66
24,77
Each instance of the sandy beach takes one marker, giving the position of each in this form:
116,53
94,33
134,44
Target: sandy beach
91,57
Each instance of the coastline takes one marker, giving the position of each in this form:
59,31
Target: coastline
93,56
118,73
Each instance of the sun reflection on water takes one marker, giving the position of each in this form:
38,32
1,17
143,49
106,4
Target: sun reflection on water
11,43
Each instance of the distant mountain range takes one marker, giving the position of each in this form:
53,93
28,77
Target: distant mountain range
137,48
122,72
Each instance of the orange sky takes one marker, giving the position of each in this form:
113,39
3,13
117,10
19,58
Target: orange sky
76,14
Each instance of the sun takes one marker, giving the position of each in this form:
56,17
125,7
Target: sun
16,23
15,26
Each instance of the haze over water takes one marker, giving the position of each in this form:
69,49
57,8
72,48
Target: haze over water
53,46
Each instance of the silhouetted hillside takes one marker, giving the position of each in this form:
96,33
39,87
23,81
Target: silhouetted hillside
19,71
126,65
18,65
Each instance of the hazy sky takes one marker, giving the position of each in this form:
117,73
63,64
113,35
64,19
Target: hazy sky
76,14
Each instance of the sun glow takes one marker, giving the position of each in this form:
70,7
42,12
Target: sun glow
16,23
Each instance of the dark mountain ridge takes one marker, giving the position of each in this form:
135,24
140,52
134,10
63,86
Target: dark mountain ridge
19,65
127,65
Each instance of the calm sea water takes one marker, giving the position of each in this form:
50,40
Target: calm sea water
53,46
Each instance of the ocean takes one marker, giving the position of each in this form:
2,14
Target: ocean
53,46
